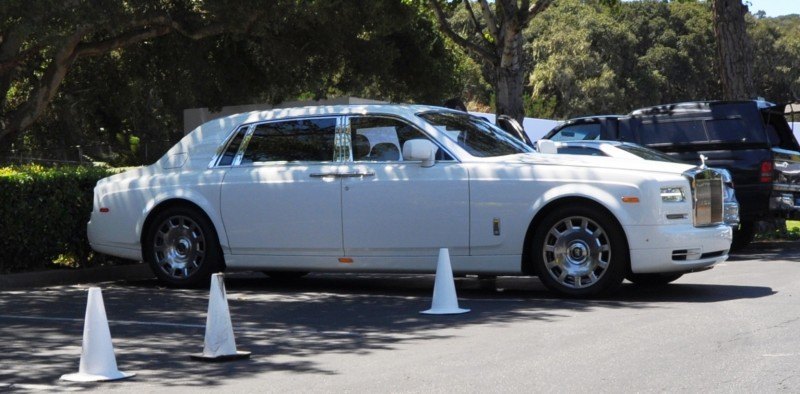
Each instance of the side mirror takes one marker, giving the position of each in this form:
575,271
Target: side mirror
546,146
420,150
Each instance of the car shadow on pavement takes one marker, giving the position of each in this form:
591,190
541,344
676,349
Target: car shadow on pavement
769,250
285,324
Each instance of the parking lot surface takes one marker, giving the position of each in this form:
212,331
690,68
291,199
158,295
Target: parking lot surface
731,329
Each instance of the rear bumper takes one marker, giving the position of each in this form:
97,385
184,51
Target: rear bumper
99,242
785,204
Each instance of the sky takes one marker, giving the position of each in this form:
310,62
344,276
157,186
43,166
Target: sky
775,7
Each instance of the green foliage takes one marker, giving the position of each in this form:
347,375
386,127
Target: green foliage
776,42
44,214
595,57
379,49
791,232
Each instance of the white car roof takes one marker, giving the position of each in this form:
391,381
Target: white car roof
198,147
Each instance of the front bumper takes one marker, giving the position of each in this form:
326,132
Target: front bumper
677,248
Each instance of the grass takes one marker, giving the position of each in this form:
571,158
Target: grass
791,232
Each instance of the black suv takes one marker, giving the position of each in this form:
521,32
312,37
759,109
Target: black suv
751,139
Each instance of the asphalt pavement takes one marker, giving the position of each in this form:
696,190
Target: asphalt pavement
731,329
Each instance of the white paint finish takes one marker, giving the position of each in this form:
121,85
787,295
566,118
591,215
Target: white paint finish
652,246
131,196
487,264
279,209
405,209
279,217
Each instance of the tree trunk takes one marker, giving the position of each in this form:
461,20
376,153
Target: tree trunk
733,50
509,84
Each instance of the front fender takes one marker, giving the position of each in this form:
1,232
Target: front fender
609,197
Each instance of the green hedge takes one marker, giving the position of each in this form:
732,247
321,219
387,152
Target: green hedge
43,216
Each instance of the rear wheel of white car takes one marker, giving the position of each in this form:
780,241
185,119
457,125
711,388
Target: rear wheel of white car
579,251
182,247
652,279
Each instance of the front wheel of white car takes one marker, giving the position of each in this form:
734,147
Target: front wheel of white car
579,251
182,248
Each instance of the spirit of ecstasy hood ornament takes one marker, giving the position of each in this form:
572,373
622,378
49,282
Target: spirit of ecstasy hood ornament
703,162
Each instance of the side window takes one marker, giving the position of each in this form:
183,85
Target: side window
578,131
578,150
294,140
729,130
233,147
672,132
377,138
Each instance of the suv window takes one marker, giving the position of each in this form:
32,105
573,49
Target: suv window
732,130
578,131
672,132
686,131
295,140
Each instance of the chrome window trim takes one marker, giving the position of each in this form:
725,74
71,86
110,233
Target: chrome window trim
224,146
245,141
348,131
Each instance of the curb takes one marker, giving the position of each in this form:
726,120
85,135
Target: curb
72,277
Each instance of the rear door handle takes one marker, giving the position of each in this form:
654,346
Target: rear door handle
341,174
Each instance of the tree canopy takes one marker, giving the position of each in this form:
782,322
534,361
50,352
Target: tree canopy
113,78
116,77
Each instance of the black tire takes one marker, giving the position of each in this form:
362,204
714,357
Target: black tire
743,236
182,247
652,279
285,275
579,252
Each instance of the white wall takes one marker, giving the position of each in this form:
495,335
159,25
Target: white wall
796,128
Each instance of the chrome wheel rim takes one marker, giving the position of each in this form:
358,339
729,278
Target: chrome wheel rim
179,247
576,252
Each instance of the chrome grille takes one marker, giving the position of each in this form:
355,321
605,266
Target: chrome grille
707,196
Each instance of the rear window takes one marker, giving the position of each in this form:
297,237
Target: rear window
293,140
577,132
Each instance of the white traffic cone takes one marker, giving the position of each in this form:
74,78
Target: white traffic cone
219,342
97,354
445,300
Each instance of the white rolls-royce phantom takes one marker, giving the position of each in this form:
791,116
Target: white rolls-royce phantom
380,188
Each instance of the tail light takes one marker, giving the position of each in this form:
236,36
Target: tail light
766,171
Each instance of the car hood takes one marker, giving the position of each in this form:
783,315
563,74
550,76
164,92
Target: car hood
600,162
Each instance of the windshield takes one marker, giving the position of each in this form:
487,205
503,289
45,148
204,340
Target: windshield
476,135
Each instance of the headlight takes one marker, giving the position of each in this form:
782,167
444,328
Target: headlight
672,194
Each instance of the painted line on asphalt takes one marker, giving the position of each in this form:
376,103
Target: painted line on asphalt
128,322
37,387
